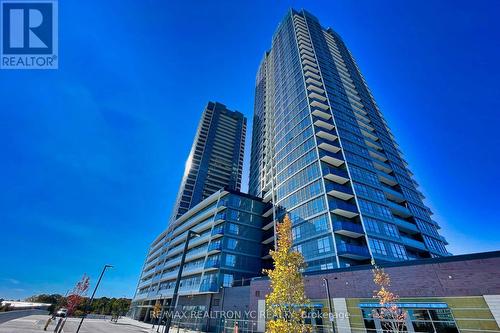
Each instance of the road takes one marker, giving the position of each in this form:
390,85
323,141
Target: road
32,324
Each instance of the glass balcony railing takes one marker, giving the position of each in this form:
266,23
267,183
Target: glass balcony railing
353,250
218,231
407,226
343,208
334,188
323,125
348,228
212,264
332,158
335,174
392,192
398,209
215,246
328,145
414,243
325,114
326,135
386,178
211,286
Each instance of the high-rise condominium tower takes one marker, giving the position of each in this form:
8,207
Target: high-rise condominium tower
323,153
216,157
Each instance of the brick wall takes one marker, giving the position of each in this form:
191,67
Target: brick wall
470,275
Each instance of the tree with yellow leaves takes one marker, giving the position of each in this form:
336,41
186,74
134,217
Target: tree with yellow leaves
393,318
287,302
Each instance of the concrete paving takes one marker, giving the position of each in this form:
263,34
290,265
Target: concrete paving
32,324
36,323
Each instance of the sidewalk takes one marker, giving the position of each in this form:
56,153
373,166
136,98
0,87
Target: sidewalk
140,324
136,323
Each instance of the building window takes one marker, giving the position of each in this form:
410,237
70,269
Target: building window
399,251
378,246
233,228
418,320
230,260
371,225
227,280
232,243
374,209
324,245
391,230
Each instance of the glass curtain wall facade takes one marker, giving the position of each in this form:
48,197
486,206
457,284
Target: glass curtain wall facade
322,153
216,157
227,252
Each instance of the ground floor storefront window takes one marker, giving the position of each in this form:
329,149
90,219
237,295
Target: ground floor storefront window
421,318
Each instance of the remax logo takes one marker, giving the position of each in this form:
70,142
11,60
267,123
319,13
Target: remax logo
29,34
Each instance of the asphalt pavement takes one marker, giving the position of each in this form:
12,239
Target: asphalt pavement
36,323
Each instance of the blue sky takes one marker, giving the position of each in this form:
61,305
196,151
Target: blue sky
92,153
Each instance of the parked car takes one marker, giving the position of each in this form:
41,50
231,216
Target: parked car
61,312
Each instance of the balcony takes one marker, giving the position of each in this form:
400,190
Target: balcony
214,246
322,114
313,81
268,212
220,217
212,264
334,159
366,126
304,52
145,283
377,155
372,144
369,135
326,135
219,230
392,194
413,243
308,57
328,145
315,88
312,69
308,62
209,287
268,196
334,174
319,105
342,208
304,43
398,209
313,75
347,228
382,167
343,192
386,179
406,226
324,124
353,251
317,96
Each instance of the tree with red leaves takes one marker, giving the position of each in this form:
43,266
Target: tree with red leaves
77,295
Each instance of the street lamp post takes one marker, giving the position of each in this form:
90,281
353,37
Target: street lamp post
173,302
93,294
330,309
